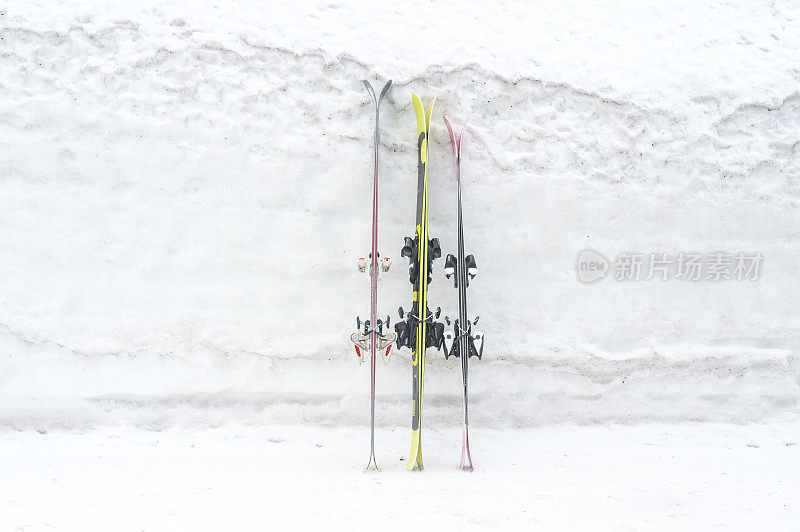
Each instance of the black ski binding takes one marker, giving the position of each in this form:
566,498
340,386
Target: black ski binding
410,251
434,252
403,330
452,344
406,330
472,268
450,265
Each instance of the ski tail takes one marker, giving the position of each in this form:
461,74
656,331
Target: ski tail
466,458
415,458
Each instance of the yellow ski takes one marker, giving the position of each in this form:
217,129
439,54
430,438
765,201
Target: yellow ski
418,329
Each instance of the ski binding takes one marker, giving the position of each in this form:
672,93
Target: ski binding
451,263
384,263
406,329
451,337
383,342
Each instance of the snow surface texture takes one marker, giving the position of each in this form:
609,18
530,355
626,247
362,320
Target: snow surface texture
622,477
186,189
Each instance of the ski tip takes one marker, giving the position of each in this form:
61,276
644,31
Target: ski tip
419,113
450,131
429,114
384,90
461,134
370,90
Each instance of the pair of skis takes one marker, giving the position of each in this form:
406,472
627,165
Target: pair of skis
461,342
418,328
369,337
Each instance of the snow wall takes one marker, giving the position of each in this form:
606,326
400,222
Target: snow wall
185,193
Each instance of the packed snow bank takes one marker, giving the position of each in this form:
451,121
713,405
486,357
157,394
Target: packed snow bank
185,193
44,388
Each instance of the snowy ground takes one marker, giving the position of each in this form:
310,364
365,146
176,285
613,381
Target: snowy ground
638,477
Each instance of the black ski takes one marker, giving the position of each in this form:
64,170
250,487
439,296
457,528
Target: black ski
461,341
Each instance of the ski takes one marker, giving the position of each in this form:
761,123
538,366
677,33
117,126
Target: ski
418,329
369,336
461,342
